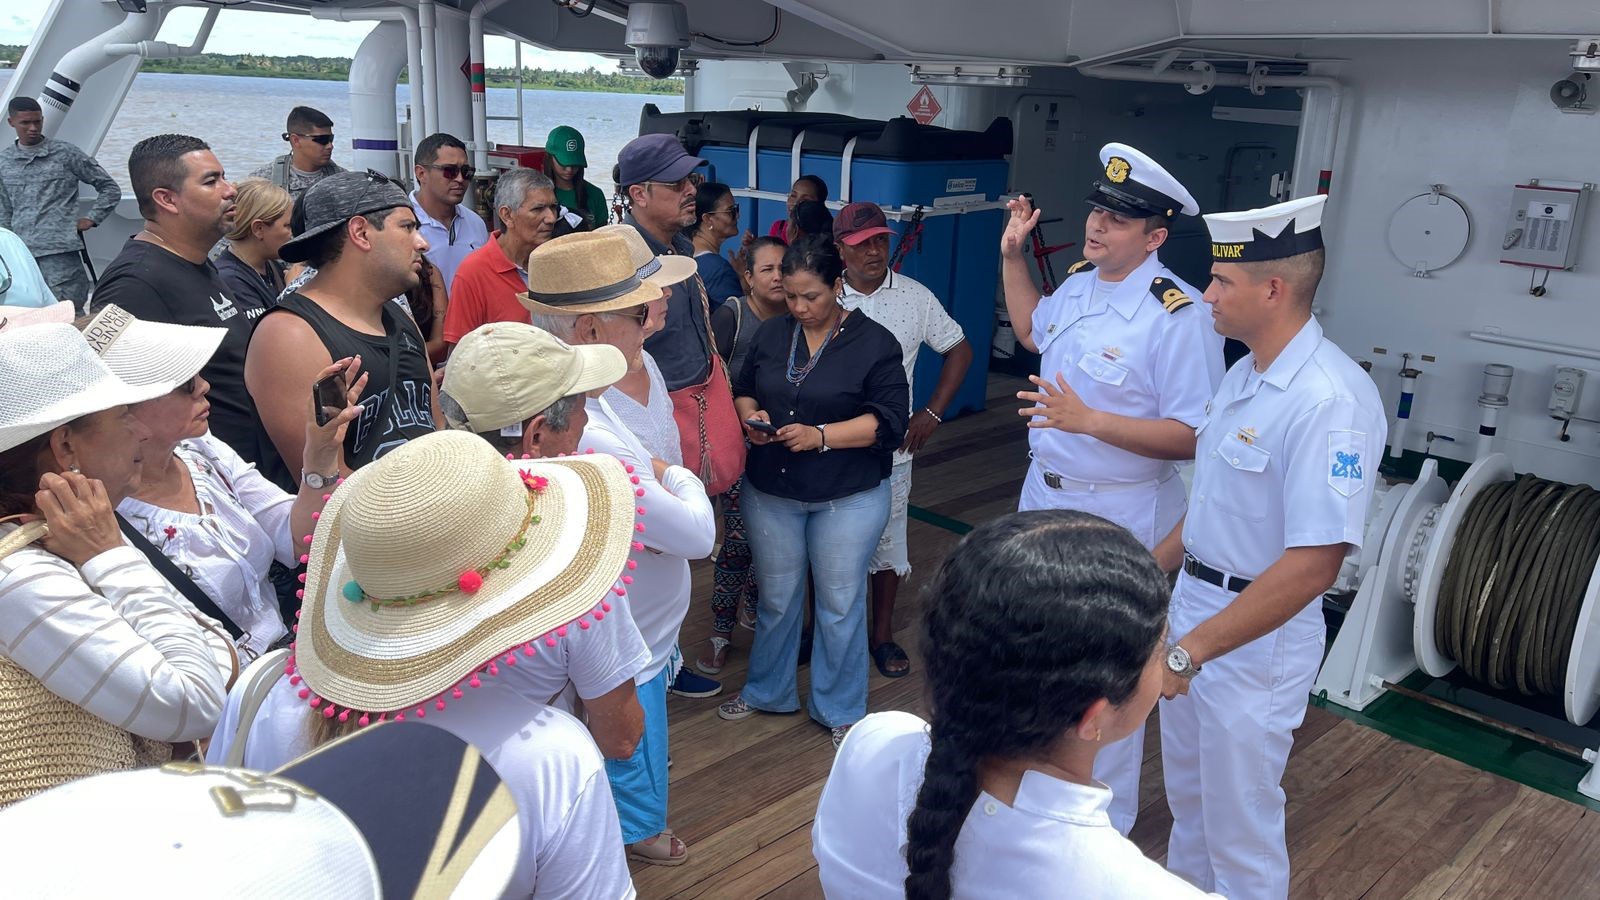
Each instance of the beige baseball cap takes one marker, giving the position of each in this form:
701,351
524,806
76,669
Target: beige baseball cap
504,373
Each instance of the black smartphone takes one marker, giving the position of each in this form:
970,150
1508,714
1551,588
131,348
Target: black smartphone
328,397
761,426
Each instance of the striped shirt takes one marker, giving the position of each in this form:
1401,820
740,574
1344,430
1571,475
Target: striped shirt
116,640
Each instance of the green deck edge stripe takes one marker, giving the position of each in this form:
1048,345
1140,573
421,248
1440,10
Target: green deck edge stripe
932,518
1479,746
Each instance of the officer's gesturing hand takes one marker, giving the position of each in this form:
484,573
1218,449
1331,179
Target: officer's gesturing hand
1057,406
1021,224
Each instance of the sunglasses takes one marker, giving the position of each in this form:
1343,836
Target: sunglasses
730,211
190,387
323,139
676,187
640,314
451,173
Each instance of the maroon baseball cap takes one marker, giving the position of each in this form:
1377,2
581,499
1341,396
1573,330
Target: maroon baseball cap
859,221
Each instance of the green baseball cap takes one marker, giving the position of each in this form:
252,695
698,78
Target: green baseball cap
566,145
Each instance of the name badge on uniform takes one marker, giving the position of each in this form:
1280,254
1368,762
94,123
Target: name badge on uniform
1346,468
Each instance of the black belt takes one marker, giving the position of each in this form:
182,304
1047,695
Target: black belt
1196,568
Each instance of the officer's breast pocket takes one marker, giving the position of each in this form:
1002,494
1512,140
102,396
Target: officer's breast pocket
1244,491
1110,375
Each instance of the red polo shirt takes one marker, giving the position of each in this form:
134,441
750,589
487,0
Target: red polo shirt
485,290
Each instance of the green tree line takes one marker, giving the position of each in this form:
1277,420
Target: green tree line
324,68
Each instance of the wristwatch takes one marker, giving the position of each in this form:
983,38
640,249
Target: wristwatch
317,481
1179,662
822,432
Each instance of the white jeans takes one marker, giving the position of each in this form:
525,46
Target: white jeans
1224,746
1149,513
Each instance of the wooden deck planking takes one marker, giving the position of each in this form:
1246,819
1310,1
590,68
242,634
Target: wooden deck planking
1367,816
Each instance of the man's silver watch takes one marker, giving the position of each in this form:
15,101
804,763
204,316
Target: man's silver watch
1179,662
317,481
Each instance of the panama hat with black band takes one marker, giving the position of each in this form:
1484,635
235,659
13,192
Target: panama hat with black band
583,273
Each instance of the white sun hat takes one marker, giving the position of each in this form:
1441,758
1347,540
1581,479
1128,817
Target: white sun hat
663,271
21,316
52,377
442,560
405,810
141,352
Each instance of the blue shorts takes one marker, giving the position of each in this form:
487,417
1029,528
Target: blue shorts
639,783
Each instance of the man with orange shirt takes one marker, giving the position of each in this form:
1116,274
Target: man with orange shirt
486,284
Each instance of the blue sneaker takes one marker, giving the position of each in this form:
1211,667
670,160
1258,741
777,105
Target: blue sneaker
689,684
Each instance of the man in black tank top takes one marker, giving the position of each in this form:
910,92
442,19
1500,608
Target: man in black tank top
362,237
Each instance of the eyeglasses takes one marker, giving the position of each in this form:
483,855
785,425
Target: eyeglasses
640,314
451,173
730,211
676,187
5,278
190,387
323,139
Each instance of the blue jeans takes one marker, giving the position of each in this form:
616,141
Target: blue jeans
835,539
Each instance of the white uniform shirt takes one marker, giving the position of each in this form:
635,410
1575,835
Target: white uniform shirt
1054,841
679,525
449,244
915,317
571,841
229,547
1126,355
1285,458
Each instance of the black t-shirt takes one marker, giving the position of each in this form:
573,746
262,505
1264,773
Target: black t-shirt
157,285
859,371
250,288
391,415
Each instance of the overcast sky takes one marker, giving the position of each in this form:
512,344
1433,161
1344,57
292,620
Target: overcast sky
239,31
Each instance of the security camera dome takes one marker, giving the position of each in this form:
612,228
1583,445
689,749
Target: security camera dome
657,32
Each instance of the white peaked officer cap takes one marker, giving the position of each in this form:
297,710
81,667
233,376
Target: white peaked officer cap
1272,232
1135,185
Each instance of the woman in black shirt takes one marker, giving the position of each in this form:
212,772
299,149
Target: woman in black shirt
830,385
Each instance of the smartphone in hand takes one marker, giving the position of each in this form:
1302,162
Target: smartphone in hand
328,397
762,426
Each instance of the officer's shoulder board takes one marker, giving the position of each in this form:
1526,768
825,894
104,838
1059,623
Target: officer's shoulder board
1082,265
1171,296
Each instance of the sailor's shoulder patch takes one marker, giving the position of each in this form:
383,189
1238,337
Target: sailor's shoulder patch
1171,296
1082,265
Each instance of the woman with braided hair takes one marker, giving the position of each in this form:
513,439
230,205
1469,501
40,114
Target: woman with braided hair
1043,641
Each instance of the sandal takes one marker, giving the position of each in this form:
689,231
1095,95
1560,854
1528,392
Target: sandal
719,656
890,652
657,852
839,732
747,618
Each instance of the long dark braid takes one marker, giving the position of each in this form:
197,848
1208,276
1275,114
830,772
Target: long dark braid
1031,620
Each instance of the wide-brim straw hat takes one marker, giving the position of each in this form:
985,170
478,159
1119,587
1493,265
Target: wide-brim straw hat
417,580
23,316
587,272
52,377
158,354
665,270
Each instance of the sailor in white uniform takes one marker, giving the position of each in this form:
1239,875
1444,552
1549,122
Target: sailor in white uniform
1285,465
1128,362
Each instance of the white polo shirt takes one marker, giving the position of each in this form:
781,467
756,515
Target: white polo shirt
914,316
1285,458
449,244
1054,841
1124,353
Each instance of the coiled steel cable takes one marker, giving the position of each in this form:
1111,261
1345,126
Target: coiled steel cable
1514,583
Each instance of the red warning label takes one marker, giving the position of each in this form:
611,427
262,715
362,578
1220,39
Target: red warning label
924,107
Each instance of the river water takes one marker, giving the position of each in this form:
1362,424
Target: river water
241,117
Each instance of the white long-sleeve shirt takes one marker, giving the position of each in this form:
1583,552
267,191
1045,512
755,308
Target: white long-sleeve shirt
115,639
679,526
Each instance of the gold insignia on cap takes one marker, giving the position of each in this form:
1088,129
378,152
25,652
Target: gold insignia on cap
1117,169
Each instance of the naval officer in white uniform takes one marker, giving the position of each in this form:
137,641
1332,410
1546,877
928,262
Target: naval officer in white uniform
1284,469
1128,362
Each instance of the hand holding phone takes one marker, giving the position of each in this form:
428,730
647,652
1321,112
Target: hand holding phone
762,426
328,397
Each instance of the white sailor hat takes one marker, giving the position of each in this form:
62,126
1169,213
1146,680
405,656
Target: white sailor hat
1272,232
1136,186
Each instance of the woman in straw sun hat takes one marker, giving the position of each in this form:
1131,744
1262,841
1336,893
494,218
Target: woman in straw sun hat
199,504
432,569
102,662
586,288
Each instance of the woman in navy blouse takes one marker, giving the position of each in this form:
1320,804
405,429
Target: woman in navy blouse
829,389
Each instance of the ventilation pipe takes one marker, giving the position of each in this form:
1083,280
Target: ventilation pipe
401,14
453,114
373,73
480,98
426,20
1201,77
1495,397
166,49
84,60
